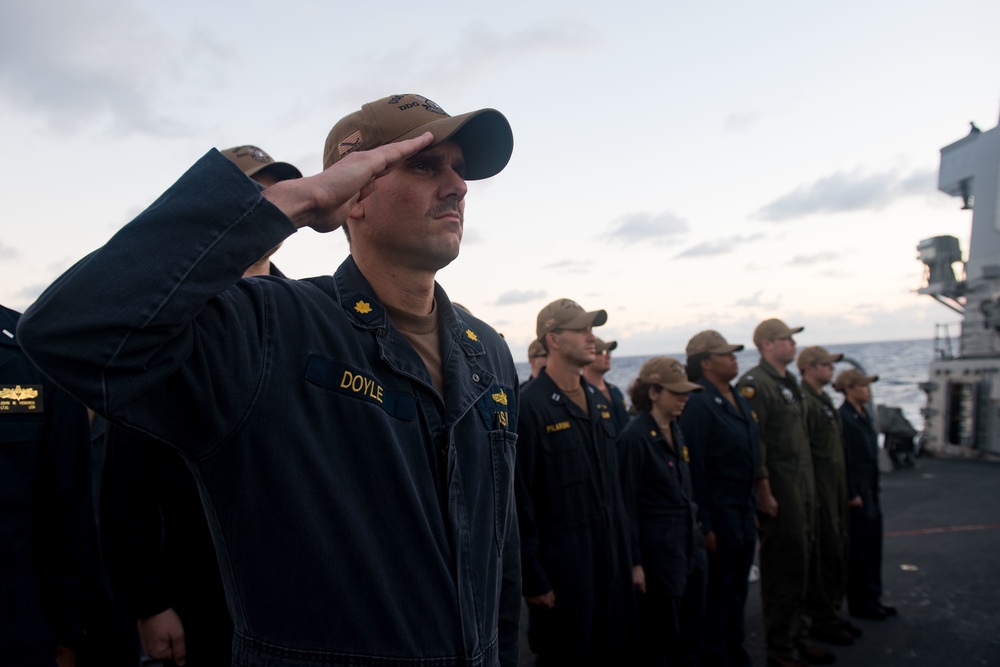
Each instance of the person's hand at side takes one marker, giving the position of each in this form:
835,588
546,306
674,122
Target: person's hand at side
162,636
548,600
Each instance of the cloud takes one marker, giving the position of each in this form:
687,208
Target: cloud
717,246
755,301
90,63
570,266
740,122
815,258
645,227
479,51
7,252
517,297
846,191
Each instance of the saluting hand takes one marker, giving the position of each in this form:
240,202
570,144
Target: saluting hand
324,200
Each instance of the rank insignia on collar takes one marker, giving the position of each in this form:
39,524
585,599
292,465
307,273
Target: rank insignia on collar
748,392
686,454
500,397
471,336
363,307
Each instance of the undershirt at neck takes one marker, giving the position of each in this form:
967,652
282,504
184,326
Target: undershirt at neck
577,396
422,332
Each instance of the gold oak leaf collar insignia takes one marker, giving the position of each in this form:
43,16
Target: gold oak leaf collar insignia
471,335
362,307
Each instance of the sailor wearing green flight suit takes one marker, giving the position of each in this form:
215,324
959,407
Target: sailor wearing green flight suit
786,496
828,567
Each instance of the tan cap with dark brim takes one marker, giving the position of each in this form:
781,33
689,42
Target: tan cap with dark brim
567,314
817,355
668,373
771,330
252,160
711,342
484,136
603,347
853,377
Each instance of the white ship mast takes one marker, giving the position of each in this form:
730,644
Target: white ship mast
962,416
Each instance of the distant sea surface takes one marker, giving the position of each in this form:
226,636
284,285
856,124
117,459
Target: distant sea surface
900,365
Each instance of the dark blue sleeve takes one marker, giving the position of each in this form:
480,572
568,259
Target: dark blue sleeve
696,425
152,313
631,461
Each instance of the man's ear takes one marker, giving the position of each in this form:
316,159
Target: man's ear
356,207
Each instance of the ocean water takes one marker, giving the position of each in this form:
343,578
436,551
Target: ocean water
900,365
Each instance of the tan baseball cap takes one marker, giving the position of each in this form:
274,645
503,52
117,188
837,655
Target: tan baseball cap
772,329
252,160
852,377
567,314
817,355
668,373
485,135
535,349
603,347
711,342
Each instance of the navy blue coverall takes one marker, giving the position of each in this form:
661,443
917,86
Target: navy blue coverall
359,516
723,441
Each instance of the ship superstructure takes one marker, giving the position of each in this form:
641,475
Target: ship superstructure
962,415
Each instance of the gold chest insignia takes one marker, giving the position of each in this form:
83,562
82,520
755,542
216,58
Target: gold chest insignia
18,393
748,392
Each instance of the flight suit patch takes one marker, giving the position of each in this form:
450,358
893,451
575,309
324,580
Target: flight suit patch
748,392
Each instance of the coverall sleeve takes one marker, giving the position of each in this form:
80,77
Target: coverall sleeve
696,425
152,312
631,461
534,579
758,403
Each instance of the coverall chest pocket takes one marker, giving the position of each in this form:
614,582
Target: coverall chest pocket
565,460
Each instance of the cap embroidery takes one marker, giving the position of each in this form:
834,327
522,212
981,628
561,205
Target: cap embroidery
349,144
433,107
253,153
362,307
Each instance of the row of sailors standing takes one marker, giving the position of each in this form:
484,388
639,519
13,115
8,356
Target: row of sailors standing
223,371
638,533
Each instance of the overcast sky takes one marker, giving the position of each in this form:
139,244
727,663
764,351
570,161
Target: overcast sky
682,165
